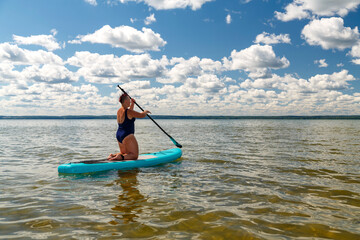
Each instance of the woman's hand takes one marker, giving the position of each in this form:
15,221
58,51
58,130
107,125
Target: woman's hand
147,112
132,102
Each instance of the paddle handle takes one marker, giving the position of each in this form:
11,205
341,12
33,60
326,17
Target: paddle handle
171,138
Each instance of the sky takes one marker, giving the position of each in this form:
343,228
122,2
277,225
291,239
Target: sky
180,57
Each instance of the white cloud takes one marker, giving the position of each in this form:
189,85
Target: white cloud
54,32
12,90
292,11
315,84
7,73
173,4
197,92
150,19
55,99
330,33
272,82
206,84
133,85
37,82
278,95
300,9
335,81
228,19
330,7
355,52
260,73
356,61
260,93
49,73
192,67
255,57
47,41
127,68
14,54
112,69
269,39
20,66
91,2
322,63
125,37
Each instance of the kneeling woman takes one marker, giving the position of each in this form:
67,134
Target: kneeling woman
126,115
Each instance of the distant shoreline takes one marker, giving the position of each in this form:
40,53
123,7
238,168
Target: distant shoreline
329,117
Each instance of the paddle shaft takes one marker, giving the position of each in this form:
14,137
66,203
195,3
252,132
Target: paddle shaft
171,138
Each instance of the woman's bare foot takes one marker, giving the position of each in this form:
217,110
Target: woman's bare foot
111,156
117,156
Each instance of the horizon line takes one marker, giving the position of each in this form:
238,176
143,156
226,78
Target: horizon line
186,117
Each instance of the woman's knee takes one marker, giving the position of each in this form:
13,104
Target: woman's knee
131,156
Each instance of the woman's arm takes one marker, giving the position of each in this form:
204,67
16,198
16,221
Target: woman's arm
118,116
134,114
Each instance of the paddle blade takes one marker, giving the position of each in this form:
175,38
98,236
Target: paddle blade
176,143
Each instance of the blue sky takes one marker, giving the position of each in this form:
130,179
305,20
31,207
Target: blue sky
180,57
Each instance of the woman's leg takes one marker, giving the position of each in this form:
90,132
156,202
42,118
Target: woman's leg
122,151
122,148
129,149
132,147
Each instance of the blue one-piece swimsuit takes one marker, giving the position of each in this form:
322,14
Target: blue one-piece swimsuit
126,128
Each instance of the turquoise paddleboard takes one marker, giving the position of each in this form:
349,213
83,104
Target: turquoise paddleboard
144,160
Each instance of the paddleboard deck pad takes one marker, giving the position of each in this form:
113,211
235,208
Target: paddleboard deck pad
144,160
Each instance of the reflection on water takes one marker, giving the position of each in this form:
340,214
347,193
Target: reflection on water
237,179
130,200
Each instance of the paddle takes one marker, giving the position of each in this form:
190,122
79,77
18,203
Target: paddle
171,138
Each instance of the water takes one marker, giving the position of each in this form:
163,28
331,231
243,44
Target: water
237,179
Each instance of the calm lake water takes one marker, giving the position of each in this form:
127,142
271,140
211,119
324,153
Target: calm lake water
237,179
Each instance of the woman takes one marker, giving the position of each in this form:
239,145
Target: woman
126,115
